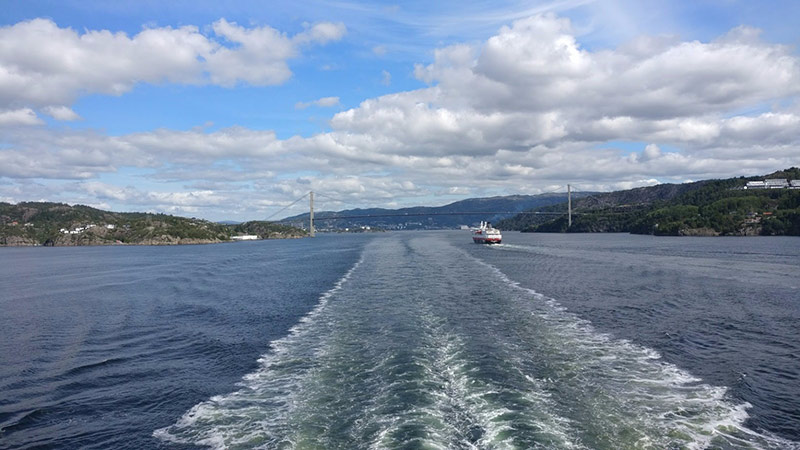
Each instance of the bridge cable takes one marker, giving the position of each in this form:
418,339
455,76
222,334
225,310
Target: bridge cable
343,204
287,207
556,191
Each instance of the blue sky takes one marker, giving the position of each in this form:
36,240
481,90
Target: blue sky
231,110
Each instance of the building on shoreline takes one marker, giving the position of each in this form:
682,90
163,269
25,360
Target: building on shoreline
247,237
773,183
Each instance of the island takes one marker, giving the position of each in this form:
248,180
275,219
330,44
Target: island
59,224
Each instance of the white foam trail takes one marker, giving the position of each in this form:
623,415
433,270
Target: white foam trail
674,408
463,404
468,395
468,410
334,382
238,419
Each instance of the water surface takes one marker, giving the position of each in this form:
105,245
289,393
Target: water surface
404,340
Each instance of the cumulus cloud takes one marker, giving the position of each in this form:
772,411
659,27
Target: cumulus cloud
132,195
527,110
61,113
86,154
532,89
537,65
22,116
44,65
651,151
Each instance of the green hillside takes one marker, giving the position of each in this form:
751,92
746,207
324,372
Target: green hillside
711,207
58,224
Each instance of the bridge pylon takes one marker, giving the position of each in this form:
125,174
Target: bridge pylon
311,214
569,206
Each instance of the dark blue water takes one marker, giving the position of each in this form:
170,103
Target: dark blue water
99,346
411,340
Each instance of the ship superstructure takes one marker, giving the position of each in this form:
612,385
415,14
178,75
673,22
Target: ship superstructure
486,234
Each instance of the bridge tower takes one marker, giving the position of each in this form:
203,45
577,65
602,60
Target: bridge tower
569,206
311,214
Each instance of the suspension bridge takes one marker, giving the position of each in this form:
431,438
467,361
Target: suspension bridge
312,219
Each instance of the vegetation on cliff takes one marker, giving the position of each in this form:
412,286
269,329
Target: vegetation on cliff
711,207
58,224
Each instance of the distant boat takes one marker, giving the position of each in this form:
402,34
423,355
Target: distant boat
486,234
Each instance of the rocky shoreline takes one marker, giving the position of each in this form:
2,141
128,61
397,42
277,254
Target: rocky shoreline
31,224
15,241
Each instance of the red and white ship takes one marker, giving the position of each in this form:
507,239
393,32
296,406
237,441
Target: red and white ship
486,234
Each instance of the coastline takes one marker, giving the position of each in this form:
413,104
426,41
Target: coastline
151,242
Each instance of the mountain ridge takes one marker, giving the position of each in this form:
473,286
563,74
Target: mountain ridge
429,217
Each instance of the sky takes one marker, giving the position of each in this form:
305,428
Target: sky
233,110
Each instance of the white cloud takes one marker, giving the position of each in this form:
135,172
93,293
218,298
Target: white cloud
22,116
652,151
61,113
259,57
324,102
321,33
163,201
386,78
379,50
526,110
537,65
458,190
532,86
43,65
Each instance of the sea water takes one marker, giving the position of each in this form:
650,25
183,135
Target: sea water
404,340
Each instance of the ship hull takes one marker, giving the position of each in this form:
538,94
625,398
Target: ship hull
485,234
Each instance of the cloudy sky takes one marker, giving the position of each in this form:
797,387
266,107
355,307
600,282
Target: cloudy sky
232,110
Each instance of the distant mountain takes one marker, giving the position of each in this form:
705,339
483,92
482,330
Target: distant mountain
709,207
465,212
58,224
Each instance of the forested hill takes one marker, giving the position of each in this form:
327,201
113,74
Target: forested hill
608,202
430,217
709,207
58,224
